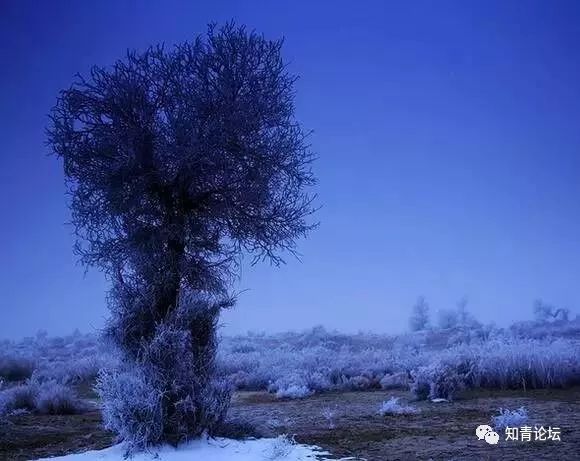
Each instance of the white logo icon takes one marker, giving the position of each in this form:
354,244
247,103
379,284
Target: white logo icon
482,430
485,432
492,438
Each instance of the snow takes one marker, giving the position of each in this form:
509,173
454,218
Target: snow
280,448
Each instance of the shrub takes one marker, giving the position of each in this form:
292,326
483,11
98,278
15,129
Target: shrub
330,415
16,398
511,418
132,406
395,381
169,389
393,407
294,391
280,447
47,397
438,380
57,399
16,368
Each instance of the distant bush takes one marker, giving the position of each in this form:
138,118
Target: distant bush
15,367
510,418
293,391
393,407
395,381
47,397
438,363
437,380
526,364
53,398
20,397
69,360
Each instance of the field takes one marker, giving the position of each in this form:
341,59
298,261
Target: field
438,432
327,389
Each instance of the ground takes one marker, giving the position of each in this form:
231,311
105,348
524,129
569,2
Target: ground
442,431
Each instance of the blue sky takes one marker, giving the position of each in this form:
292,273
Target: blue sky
449,157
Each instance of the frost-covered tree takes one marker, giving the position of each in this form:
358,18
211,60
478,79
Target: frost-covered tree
419,319
464,317
544,312
447,318
178,161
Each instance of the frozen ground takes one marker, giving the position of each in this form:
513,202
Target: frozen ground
346,424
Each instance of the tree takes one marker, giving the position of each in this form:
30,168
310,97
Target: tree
447,318
464,317
420,315
179,161
545,312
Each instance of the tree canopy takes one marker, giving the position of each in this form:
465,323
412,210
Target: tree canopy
179,159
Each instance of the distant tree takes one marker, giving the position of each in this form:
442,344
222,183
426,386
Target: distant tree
447,318
419,319
464,317
177,162
544,312
462,313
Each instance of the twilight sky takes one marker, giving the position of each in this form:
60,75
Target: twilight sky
449,143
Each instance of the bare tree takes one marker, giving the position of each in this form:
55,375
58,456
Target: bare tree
545,312
178,161
419,319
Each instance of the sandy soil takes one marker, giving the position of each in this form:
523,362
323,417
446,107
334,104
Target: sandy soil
444,431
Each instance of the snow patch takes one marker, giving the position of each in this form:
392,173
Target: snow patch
209,450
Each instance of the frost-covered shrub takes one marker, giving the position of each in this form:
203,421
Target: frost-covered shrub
280,447
421,380
74,370
132,406
52,398
16,398
446,383
16,367
293,391
527,364
438,380
395,381
393,407
46,397
173,375
330,415
510,418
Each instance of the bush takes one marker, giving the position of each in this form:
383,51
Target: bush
169,389
510,418
439,380
21,397
280,447
293,391
393,407
132,406
47,397
16,368
53,398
